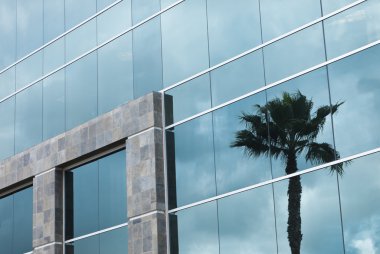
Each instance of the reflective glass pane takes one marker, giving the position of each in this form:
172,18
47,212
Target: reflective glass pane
6,222
191,171
147,59
8,10
54,56
7,127
84,246
355,81
332,5
77,11
76,45
195,230
180,105
101,4
28,126
7,82
359,187
112,190
54,15
29,70
115,73
29,26
292,121
235,168
166,3
279,17
144,8
115,241
82,200
233,27
314,197
81,91
247,222
54,104
237,78
184,41
353,28
114,21
23,225
294,53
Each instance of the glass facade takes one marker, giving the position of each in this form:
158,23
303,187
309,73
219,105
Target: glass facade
270,120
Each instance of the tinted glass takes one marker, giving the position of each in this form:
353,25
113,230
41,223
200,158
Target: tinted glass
29,26
81,91
192,175
233,27
8,10
237,78
115,241
195,230
28,126
235,168
319,213
84,246
332,5
29,70
166,3
54,15
247,223
101,4
78,11
6,222
184,41
76,45
353,28
114,21
147,60
294,53
115,73
54,56
54,104
7,127
7,82
356,82
279,17
144,8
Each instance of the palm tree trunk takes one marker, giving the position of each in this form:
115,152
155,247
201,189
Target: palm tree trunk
294,206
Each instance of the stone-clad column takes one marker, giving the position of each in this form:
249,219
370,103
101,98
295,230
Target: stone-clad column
48,212
146,193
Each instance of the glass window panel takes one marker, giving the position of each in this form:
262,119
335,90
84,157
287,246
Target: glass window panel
314,87
54,104
192,173
147,60
237,78
195,230
279,17
54,56
112,190
115,73
101,4
114,21
355,81
115,241
77,11
233,27
6,222
143,9
82,201
7,82
28,126
179,105
294,53
29,70
319,212
166,3
8,10
23,225
54,16
247,222
7,125
234,167
76,45
29,26
332,5
81,91
359,187
183,27
353,28
84,246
